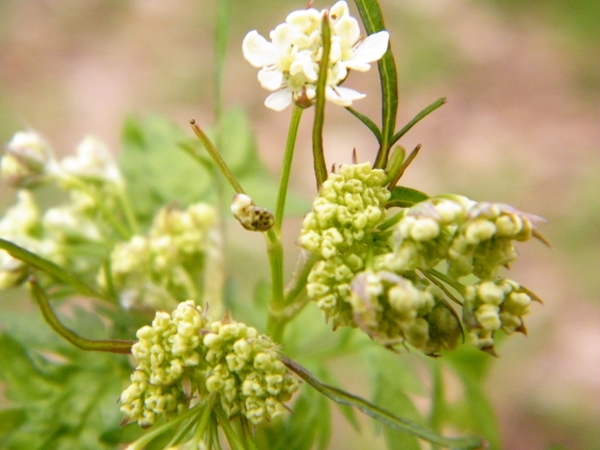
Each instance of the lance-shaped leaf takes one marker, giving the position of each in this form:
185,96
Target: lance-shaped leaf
381,415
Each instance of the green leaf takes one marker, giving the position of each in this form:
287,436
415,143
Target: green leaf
405,197
371,15
65,404
372,126
422,114
11,419
385,417
156,170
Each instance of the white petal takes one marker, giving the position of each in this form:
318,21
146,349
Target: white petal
304,20
369,50
279,100
348,30
342,96
269,79
340,9
282,37
258,51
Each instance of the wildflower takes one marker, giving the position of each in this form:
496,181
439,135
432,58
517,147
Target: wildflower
93,163
152,270
183,356
289,64
27,159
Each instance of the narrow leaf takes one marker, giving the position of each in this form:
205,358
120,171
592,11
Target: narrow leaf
422,114
383,416
372,18
405,197
368,123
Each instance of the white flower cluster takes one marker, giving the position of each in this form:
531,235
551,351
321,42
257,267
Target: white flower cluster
184,355
290,62
91,181
154,270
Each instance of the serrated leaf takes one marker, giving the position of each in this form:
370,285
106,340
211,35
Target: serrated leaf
11,419
405,197
156,170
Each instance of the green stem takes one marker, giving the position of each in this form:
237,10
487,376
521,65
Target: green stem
247,433
234,440
317,135
438,403
112,345
128,210
51,269
142,442
287,167
275,255
216,157
298,282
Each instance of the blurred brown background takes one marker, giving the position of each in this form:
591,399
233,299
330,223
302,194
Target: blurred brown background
522,126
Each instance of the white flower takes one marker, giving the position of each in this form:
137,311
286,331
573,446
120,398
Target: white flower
28,157
289,64
93,162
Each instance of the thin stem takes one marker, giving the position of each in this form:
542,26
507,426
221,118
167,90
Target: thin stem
275,255
298,282
287,167
247,433
142,442
112,345
234,440
51,269
216,157
128,210
317,135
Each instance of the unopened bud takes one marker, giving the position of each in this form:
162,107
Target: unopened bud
249,215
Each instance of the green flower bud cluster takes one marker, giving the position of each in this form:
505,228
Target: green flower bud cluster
349,205
494,305
185,358
340,229
393,309
382,276
154,270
